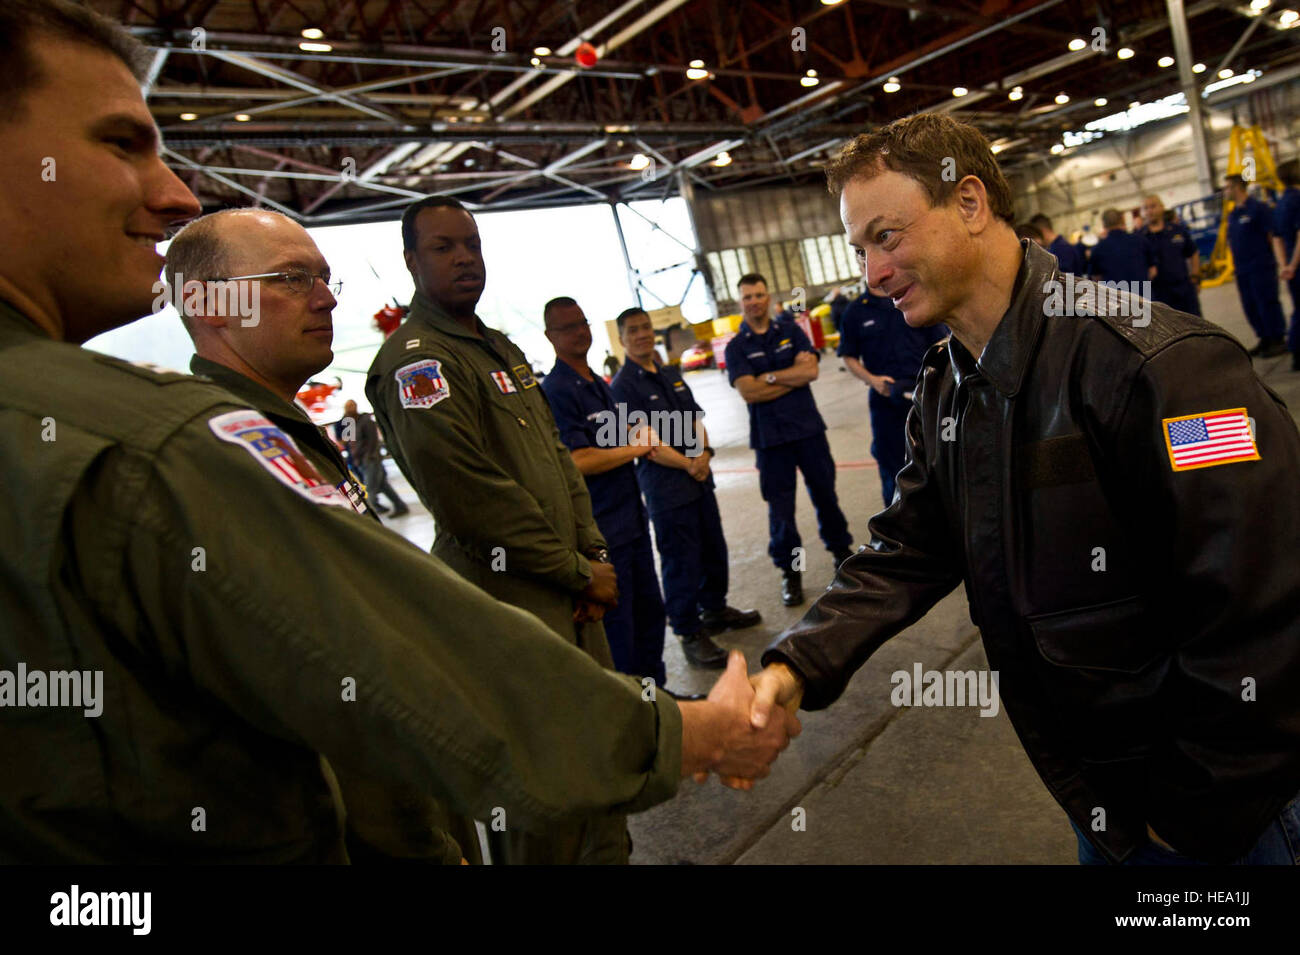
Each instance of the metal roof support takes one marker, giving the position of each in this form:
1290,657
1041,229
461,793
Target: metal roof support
1192,93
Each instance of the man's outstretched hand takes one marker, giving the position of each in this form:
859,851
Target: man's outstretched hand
721,734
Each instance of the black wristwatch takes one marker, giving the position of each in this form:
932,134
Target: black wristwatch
600,554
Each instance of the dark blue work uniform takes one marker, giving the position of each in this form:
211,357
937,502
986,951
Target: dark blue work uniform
876,334
1068,258
1249,226
635,625
1120,257
688,526
1169,250
1286,217
785,433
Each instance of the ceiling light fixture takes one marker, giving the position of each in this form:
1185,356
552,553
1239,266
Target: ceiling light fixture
1124,52
1078,43
892,85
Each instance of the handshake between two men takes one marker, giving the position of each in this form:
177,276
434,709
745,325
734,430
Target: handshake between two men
745,722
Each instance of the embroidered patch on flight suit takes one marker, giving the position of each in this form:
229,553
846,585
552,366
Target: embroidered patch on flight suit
505,384
422,384
1210,438
524,374
277,453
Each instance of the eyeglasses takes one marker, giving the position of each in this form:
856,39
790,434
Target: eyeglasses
298,280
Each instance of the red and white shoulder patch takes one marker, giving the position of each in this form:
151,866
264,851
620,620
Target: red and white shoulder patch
277,453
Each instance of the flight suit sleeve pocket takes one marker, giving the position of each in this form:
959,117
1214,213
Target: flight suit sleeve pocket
1117,636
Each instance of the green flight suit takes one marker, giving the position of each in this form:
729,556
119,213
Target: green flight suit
152,532
384,823
473,433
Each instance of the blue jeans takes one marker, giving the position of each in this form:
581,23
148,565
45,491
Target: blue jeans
1279,845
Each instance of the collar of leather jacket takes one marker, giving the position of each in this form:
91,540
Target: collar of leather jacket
1007,355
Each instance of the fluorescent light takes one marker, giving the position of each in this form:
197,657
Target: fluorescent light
1288,19
959,91
1259,5
724,157
541,51
639,161
1124,52
1165,61
697,70
535,61
189,117
1198,68
312,33
1225,73
242,117
892,85
1057,149
315,47
1062,99
1016,93
1078,43
1100,101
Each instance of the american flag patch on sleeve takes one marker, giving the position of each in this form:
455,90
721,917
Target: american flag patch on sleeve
1215,437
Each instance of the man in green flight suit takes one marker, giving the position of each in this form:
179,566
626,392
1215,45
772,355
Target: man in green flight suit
263,355
170,672
473,433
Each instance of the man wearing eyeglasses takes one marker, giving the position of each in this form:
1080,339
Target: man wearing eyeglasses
264,354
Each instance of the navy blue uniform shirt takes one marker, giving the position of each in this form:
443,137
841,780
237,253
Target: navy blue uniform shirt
1286,218
876,334
653,393
1169,251
582,412
1248,227
790,417
1067,256
1119,257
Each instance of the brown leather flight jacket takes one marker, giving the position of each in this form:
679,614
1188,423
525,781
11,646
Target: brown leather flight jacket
1144,618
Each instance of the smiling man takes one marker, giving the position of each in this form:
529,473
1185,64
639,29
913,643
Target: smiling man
1116,499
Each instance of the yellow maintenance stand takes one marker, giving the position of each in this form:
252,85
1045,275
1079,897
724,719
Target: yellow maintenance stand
1250,158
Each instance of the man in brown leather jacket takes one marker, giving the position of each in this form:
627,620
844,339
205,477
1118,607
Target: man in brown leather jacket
1114,486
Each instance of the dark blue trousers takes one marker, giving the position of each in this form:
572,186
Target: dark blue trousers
693,553
776,480
888,438
1293,340
635,626
1258,290
1182,297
